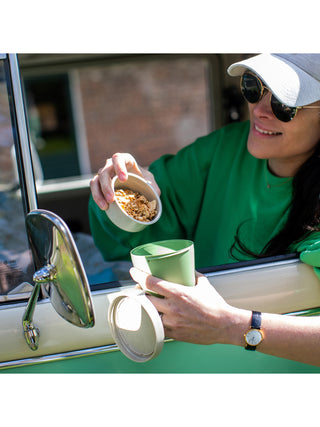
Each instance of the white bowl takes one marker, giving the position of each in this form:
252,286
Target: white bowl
119,217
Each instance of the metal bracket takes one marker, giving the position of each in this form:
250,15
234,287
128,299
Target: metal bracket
31,333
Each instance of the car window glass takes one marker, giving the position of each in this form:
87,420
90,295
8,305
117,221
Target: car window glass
15,259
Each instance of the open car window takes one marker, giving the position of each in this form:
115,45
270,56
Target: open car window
80,110
92,79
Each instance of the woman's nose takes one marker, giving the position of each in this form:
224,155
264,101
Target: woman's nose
263,107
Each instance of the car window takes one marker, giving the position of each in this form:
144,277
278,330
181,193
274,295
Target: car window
148,105
15,259
90,93
92,106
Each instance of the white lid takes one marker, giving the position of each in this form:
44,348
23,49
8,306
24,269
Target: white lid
136,326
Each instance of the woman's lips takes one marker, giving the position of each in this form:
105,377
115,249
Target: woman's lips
264,131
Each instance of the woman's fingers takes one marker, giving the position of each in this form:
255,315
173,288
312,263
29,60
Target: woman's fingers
101,194
146,281
124,163
118,165
101,184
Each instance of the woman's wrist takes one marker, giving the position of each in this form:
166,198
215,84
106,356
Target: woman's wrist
236,323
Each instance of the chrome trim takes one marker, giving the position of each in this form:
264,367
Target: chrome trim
63,356
253,267
7,304
58,356
22,130
6,298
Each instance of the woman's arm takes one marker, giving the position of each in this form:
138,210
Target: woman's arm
200,315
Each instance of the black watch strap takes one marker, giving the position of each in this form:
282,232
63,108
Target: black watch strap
256,320
255,324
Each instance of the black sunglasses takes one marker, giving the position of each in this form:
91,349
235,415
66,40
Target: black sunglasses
253,89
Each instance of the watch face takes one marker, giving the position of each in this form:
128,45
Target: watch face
253,337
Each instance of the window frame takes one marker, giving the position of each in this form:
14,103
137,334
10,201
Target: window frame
21,134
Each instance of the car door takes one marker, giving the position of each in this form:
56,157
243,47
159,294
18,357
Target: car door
280,285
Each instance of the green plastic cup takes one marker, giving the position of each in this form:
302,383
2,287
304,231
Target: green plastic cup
171,260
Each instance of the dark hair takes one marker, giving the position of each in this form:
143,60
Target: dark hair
304,215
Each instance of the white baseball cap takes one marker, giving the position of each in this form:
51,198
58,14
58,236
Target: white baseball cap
293,78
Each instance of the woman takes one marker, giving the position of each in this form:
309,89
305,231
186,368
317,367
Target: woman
247,190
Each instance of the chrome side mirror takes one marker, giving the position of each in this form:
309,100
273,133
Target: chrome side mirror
59,271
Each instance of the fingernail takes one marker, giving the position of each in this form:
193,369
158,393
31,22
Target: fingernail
103,205
110,197
122,176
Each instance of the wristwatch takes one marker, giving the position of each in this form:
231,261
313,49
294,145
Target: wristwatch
254,336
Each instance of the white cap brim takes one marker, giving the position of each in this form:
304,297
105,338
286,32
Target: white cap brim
288,82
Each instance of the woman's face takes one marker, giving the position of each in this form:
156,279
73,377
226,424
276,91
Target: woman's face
286,145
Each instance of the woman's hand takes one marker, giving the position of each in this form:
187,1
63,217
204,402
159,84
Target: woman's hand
119,164
196,314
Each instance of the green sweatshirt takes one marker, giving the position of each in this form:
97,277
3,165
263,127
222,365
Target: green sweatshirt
208,190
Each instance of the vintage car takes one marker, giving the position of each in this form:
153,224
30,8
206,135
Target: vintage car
56,290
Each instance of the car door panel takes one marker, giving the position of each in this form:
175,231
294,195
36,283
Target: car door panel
61,342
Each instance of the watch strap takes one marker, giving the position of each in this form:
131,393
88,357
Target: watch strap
255,324
250,347
256,320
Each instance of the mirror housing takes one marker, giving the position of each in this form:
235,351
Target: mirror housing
60,272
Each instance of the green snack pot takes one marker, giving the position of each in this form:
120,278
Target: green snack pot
171,260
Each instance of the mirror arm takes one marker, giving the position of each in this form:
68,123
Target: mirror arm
32,333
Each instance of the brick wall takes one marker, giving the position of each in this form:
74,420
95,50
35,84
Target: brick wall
146,108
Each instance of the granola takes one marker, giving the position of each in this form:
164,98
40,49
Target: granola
136,205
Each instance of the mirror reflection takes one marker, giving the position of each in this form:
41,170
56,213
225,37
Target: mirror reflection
59,267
